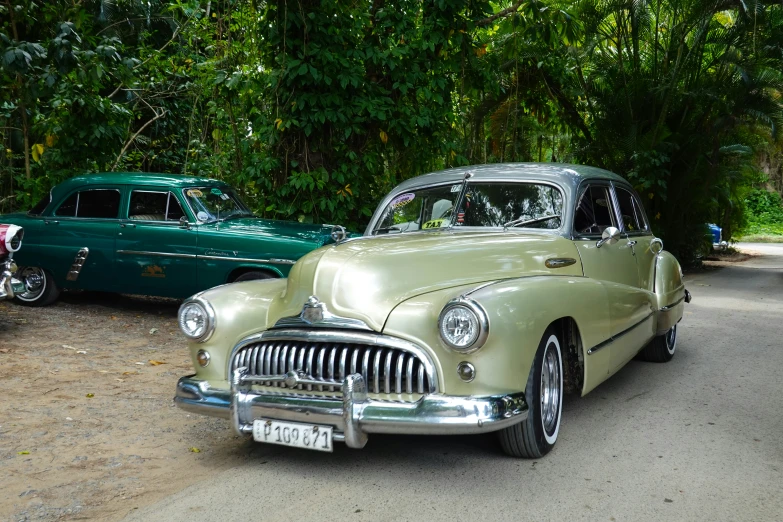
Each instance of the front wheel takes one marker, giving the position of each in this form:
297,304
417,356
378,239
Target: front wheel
536,436
40,288
252,276
661,348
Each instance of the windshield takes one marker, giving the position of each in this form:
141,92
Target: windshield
488,204
212,203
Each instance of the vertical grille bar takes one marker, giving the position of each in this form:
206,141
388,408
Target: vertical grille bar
387,368
267,360
421,378
343,363
330,374
320,370
273,369
283,358
310,355
354,360
398,375
366,366
253,361
409,375
376,366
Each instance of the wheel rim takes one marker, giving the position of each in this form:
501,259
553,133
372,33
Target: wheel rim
34,280
551,389
671,339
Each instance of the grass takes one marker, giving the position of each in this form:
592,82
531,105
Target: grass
766,233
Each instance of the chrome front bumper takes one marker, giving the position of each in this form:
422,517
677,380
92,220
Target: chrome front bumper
9,286
354,415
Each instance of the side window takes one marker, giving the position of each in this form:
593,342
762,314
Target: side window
628,211
101,203
593,212
154,206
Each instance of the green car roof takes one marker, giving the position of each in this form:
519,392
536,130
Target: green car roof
138,178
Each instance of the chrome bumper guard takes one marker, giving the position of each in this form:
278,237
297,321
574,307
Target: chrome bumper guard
354,415
9,286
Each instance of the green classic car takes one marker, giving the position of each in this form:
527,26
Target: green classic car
476,298
152,234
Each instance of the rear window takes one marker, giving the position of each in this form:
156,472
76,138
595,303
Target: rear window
39,207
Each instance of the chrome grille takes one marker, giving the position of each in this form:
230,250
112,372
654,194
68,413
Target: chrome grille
385,369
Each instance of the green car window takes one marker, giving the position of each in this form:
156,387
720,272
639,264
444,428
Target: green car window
92,203
154,206
213,203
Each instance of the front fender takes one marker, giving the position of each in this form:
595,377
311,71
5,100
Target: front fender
241,309
519,312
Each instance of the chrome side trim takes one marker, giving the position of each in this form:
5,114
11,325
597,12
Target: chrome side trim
669,307
617,336
158,254
342,336
559,262
78,264
216,258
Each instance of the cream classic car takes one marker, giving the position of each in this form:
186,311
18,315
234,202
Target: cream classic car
475,299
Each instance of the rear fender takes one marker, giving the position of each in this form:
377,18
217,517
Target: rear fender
669,292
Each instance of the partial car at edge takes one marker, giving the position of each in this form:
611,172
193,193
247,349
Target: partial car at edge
152,234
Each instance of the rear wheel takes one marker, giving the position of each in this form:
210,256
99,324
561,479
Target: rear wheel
252,275
536,436
661,348
40,288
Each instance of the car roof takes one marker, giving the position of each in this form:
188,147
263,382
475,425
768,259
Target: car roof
135,178
561,173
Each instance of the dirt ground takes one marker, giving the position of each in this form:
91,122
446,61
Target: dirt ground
88,429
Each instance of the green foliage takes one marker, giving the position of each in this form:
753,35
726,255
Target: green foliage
314,109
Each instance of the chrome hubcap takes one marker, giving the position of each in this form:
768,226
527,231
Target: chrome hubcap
33,278
671,339
550,390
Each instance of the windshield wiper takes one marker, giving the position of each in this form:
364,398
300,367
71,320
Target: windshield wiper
240,215
522,222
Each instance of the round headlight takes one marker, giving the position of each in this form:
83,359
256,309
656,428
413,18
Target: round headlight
463,325
196,320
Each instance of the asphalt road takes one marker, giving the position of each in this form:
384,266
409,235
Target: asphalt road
699,438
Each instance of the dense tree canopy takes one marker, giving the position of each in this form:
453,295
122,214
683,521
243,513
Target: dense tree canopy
315,108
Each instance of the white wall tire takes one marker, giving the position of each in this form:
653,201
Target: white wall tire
40,288
661,348
536,436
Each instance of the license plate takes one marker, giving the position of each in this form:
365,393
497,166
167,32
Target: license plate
307,436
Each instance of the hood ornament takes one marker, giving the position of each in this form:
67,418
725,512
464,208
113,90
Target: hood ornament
313,310
314,314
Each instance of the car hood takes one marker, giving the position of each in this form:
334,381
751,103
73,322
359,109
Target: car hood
366,278
273,228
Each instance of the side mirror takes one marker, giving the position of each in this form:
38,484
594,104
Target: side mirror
184,223
338,233
610,236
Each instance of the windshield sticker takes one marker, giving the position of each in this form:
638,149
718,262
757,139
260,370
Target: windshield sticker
402,199
195,193
435,223
216,191
202,216
456,188
224,197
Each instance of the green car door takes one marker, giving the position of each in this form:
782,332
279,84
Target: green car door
83,225
156,253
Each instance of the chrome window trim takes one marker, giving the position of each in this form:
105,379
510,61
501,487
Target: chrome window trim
634,203
581,191
385,202
340,336
78,197
168,202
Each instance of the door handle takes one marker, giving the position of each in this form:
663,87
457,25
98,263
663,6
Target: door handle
127,225
51,222
632,242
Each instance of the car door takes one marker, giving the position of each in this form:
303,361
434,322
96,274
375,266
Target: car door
81,233
637,230
615,266
156,254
